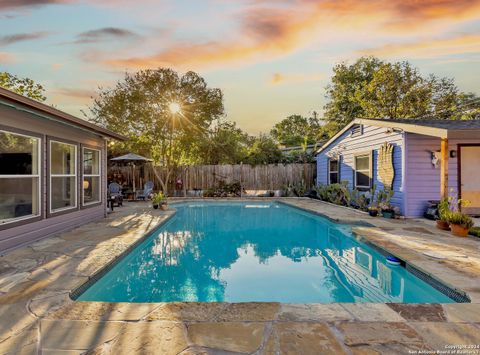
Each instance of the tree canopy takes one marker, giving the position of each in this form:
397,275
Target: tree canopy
23,86
296,130
371,88
140,107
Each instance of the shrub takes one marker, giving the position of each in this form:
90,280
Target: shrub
223,190
475,231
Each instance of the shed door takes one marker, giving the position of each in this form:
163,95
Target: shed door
470,178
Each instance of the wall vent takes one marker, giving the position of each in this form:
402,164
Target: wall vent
357,130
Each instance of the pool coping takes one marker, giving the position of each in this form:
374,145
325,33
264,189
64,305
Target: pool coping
48,320
456,294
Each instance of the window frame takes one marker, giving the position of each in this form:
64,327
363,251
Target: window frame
368,154
83,175
330,171
59,211
13,222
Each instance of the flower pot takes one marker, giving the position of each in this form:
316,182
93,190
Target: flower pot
373,213
443,225
388,214
164,207
458,230
155,206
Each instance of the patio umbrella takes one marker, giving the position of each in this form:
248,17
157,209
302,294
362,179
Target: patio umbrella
132,159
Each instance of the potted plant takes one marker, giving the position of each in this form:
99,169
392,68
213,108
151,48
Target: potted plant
443,213
384,198
373,208
159,199
460,223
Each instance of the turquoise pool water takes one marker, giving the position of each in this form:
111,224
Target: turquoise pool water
252,251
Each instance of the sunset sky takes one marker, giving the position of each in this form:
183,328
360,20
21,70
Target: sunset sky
270,58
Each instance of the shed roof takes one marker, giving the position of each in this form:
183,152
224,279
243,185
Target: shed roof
450,129
22,103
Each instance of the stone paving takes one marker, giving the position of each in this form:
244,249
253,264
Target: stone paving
38,317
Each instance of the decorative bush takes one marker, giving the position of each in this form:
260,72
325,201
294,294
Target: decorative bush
223,190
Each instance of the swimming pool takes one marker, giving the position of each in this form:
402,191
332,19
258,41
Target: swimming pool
254,251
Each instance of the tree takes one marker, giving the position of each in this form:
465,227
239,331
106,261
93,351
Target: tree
296,130
397,91
163,114
23,86
371,88
342,92
225,144
263,150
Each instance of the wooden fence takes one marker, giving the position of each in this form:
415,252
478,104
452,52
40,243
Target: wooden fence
201,177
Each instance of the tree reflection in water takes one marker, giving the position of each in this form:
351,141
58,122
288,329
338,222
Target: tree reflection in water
237,252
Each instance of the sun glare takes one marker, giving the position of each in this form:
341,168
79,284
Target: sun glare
174,107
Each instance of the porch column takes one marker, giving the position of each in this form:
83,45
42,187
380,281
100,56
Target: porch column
444,168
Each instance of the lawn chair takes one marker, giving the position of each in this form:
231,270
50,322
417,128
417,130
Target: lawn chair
147,191
115,193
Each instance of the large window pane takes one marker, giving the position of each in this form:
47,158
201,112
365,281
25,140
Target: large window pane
91,162
63,192
62,158
91,189
18,197
18,154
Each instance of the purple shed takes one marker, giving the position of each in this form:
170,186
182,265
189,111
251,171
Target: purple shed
431,158
52,170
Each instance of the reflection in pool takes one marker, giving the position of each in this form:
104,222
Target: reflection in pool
237,252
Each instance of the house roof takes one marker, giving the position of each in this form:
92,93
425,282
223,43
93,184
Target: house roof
22,103
450,129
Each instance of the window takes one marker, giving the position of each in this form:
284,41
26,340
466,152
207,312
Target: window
363,171
63,176
19,177
333,171
91,176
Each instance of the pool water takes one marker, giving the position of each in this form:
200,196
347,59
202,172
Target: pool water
253,251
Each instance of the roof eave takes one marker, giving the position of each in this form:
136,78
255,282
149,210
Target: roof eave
57,115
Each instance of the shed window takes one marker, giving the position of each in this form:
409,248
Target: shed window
363,171
333,171
91,176
19,177
63,176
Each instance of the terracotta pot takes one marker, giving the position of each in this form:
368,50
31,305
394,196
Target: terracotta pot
458,230
164,207
443,225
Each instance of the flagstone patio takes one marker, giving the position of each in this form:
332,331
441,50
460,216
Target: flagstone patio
38,316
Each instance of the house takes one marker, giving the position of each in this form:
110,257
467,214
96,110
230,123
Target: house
420,160
52,170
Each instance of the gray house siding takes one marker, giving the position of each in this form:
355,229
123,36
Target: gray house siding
422,177
371,140
49,127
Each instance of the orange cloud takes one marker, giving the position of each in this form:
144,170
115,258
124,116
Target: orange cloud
279,78
79,94
7,57
270,30
467,43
